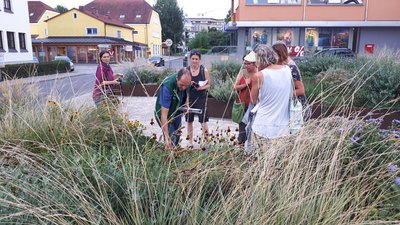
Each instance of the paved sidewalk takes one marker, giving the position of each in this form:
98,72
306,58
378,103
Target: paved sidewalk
85,69
142,109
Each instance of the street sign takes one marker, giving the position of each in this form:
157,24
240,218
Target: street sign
168,42
104,45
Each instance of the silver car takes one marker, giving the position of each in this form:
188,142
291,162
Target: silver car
66,58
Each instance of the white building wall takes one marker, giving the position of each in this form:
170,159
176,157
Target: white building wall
17,22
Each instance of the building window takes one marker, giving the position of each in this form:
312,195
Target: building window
91,31
74,15
46,32
266,2
119,34
22,42
7,5
349,2
1,41
11,41
328,37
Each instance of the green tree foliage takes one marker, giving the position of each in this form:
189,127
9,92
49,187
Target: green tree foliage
207,39
61,9
171,17
228,16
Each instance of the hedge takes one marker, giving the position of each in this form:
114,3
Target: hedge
32,69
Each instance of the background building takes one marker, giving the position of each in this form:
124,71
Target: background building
80,35
196,25
364,26
38,14
137,14
15,35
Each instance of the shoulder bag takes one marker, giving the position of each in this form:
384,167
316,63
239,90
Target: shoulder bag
295,111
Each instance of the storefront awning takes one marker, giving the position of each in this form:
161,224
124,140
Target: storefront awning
238,24
84,40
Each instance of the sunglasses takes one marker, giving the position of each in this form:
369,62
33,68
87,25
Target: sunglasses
195,52
249,63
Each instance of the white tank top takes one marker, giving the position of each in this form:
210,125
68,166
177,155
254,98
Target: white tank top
272,117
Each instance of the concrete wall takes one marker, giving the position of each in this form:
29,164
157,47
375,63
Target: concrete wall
17,22
380,37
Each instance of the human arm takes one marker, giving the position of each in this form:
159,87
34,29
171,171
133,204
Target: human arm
208,78
165,102
256,82
118,75
298,84
237,86
164,127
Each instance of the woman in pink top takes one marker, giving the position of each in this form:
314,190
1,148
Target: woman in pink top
105,79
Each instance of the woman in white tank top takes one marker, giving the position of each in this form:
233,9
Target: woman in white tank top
271,92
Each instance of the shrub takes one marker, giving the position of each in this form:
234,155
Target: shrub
30,69
223,75
146,75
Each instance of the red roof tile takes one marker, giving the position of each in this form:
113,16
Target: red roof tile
36,10
127,11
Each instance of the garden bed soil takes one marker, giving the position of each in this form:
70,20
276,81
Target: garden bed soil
219,109
139,90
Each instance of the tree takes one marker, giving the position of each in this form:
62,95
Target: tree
207,39
228,16
61,9
171,17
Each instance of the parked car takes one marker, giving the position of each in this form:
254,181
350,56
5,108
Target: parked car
339,52
157,61
65,58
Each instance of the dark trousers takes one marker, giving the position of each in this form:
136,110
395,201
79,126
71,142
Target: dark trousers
242,132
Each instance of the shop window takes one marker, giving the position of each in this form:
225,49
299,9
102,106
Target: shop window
11,41
287,35
350,2
91,31
327,37
266,2
22,42
261,36
7,5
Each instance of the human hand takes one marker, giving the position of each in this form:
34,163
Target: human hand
167,144
119,75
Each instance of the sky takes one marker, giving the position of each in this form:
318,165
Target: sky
192,8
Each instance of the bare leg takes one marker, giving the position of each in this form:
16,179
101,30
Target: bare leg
205,130
190,132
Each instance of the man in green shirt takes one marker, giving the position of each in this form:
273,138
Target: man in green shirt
170,99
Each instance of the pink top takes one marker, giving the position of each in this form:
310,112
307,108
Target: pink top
103,73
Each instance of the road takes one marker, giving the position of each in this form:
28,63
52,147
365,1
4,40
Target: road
81,81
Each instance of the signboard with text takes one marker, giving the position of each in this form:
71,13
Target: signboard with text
296,51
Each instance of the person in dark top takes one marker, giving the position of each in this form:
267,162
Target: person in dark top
201,81
168,109
281,49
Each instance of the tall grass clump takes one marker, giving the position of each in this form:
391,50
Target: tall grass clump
335,171
373,79
146,75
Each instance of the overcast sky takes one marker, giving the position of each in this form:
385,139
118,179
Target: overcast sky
193,8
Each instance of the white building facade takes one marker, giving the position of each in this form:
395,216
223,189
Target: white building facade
15,35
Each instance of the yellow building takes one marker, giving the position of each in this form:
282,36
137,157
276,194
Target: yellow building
38,13
82,34
137,14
